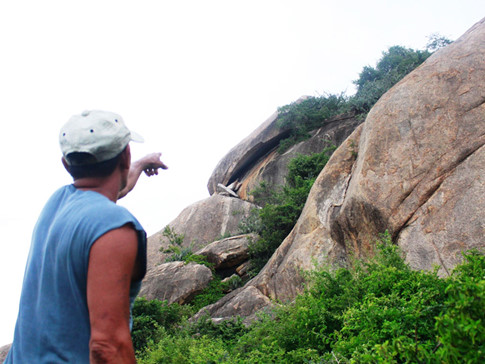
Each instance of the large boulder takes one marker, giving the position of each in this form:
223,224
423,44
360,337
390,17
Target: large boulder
415,168
175,282
201,223
229,252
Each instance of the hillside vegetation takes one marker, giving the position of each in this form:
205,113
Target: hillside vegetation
374,311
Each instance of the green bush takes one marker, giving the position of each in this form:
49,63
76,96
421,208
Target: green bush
437,41
229,331
175,249
307,167
185,349
396,309
461,327
281,209
380,311
302,117
372,83
209,295
180,253
150,318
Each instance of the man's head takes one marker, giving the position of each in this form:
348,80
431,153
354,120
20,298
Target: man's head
92,143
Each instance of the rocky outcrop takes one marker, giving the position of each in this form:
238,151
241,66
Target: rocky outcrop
255,158
176,282
229,252
415,167
273,168
201,223
265,138
3,352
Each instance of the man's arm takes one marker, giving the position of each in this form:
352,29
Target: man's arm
148,164
110,271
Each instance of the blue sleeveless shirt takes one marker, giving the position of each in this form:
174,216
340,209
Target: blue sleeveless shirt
53,321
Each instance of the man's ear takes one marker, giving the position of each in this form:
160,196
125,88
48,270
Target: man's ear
66,166
125,161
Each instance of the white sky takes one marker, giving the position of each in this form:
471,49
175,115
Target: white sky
193,77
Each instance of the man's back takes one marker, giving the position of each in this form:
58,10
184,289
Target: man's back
53,323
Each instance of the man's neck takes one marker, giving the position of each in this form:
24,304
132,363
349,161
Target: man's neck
107,186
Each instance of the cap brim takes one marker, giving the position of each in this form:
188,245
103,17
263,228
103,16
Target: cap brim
135,137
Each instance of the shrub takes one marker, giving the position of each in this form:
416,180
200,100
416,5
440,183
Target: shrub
437,41
302,117
461,327
229,331
150,318
372,83
281,209
180,253
211,294
185,349
396,309
307,167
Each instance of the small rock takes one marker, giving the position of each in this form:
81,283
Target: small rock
223,190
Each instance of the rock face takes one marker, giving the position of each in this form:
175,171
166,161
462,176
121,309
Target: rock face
419,171
201,223
176,282
265,138
415,167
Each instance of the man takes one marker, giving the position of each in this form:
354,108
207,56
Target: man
88,255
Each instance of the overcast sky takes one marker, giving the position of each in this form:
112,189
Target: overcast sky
193,77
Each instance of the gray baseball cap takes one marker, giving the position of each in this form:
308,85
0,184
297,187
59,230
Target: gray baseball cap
102,134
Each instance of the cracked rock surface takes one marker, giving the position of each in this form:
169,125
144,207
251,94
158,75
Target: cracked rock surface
419,171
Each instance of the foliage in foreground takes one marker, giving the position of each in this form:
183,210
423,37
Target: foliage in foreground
374,311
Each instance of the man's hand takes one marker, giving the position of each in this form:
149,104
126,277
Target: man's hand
150,164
